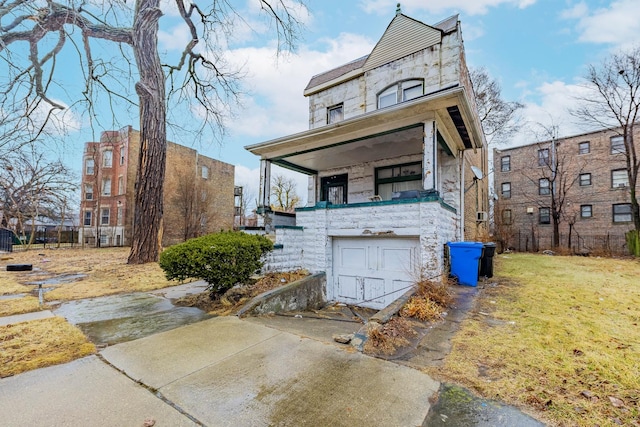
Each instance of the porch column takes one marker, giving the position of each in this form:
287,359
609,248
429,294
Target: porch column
430,156
264,198
312,190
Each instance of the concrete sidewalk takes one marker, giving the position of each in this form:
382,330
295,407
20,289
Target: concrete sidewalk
221,372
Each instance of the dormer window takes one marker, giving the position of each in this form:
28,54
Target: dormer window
335,114
400,92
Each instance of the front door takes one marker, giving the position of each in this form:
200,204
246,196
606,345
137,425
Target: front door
334,189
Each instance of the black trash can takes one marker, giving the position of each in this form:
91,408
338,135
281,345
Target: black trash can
486,260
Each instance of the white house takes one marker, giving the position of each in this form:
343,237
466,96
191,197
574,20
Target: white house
392,138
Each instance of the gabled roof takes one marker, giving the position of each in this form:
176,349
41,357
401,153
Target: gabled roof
403,36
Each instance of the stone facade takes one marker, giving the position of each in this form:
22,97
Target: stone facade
392,139
198,191
595,182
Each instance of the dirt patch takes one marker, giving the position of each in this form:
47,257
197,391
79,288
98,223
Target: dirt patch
233,299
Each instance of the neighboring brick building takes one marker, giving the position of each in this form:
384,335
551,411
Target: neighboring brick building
198,191
590,174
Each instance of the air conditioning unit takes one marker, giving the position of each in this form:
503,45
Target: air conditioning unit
481,216
622,185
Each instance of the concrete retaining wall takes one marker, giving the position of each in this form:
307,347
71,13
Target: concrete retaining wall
304,294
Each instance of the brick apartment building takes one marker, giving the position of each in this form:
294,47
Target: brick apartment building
198,191
590,175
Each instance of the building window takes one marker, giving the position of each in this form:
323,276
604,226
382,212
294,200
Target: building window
505,164
507,217
619,178
506,190
119,217
335,114
88,192
205,172
104,216
395,179
89,166
107,158
584,147
543,157
87,218
617,145
120,185
585,179
586,211
622,212
544,189
400,92
121,155
106,187
104,240
544,215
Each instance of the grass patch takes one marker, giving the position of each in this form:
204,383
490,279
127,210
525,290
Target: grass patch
106,273
558,335
19,306
39,343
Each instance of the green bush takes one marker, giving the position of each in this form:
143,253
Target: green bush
221,259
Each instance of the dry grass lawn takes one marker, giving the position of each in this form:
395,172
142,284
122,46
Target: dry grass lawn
558,336
106,270
39,343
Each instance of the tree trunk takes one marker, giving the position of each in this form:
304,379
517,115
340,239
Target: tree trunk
147,216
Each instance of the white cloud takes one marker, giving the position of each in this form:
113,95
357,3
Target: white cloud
552,107
277,106
176,38
616,24
470,7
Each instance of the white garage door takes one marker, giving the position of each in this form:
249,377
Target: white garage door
373,272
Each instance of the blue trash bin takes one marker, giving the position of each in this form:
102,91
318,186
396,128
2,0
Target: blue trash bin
465,261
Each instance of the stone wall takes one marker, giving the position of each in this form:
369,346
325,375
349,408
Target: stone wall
288,250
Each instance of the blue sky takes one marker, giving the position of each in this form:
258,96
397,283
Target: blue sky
537,49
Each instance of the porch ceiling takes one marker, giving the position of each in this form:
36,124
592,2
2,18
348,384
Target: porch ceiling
390,132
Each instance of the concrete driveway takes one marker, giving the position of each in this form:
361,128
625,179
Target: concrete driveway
220,372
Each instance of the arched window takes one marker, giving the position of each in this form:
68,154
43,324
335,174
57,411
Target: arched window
400,92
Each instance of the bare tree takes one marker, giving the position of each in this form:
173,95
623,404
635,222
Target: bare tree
31,187
613,99
499,118
200,76
559,171
284,189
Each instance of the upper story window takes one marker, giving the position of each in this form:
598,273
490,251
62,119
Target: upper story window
400,92
107,158
205,172
505,163
585,179
87,218
88,192
120,185
506,190
544,215
105,213
619,178
622,212
121,155
89,166
335,114
543,157
544,187
106,187
507,217
584,147
617,145
586,211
